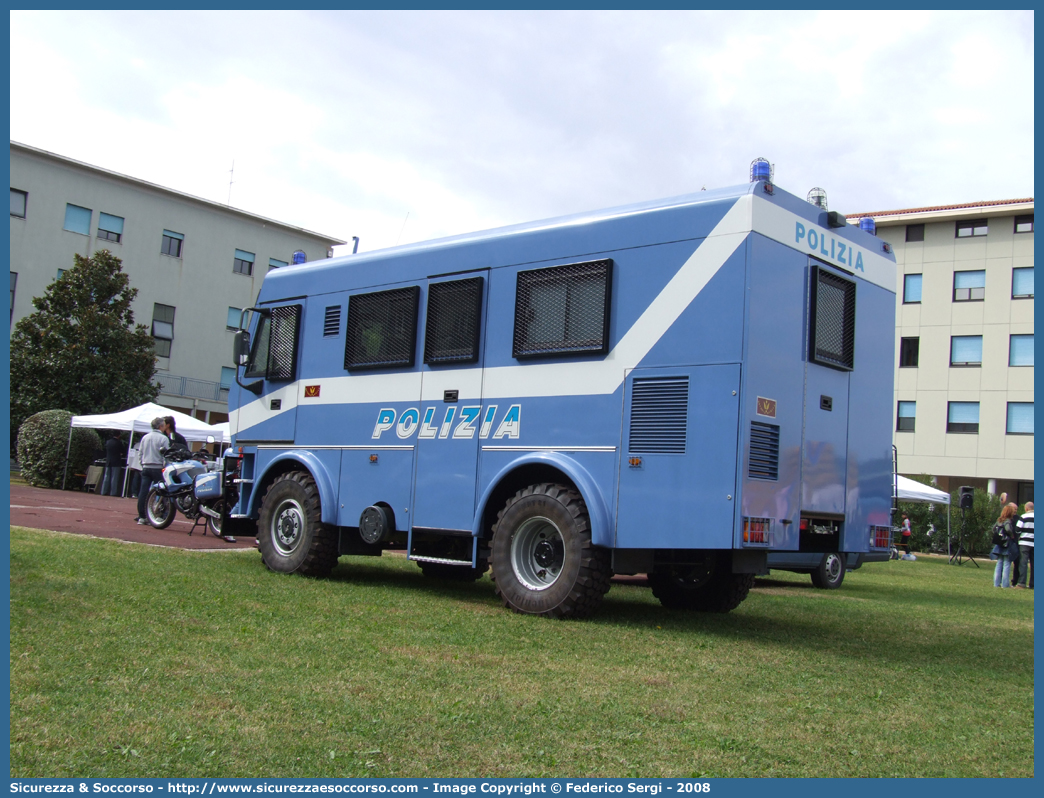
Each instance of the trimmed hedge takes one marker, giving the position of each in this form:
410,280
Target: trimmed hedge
42,442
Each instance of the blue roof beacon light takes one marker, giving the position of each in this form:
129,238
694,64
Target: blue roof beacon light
760,169
299,257
868,224
817,197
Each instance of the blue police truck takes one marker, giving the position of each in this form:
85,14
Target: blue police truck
679,388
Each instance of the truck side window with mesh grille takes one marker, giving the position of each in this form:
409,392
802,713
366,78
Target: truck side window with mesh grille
274,353
563,310
832,335
451,333
381,331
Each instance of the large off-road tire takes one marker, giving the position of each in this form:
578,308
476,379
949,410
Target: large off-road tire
291,535
453,573
159,509
707,588
830,573
544,562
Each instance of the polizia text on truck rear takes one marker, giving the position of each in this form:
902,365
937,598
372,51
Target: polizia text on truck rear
682,388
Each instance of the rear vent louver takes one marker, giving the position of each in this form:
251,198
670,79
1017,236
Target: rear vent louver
763,462
659,415
332,321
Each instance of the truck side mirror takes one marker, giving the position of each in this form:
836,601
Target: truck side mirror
241,348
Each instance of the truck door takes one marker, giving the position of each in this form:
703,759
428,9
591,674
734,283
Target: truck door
678,469
270,416
451,402
824,457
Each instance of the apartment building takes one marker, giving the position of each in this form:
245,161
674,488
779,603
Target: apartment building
195,263
964,343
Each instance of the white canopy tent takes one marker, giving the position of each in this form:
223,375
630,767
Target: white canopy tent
908,490
226,434
139,419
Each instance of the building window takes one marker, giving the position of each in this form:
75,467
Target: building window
971,228
915,232
912,289
234,315
228,376
14,282
1020,418
78,220
171,244
969,286
110,227
274,263
60,273
1024,224
907,417
909,349
963,417
162,328
243,263
966,350
1020,350
19,201
1022,283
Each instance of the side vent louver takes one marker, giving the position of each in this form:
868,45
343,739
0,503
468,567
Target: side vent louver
659,415
763,462
332,321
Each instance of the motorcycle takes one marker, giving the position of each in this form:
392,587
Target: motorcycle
197,484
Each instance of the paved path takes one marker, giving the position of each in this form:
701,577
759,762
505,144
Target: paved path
105,517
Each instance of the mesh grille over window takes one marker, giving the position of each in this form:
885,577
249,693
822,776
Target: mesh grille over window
451,333
282,342
832,342
381,329
563,310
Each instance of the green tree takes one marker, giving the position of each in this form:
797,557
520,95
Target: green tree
81,349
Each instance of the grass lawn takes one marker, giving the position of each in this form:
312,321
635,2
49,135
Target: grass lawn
128,660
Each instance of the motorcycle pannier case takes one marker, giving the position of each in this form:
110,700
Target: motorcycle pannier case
207,486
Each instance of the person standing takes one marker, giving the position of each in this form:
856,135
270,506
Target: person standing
176,438
1024,526
1005,547
152,447
113,466
907,533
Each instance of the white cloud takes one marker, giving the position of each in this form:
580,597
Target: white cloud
344,122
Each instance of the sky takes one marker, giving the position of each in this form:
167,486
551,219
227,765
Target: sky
398,127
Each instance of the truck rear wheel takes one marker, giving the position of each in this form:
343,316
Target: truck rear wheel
704,588
830,573
544,562
291,534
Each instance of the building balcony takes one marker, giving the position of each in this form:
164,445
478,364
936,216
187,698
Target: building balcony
173,385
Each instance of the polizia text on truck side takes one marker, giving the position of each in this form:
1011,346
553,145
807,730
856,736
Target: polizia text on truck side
694,389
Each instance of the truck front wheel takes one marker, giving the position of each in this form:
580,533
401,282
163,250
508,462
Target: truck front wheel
544,562
291,534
